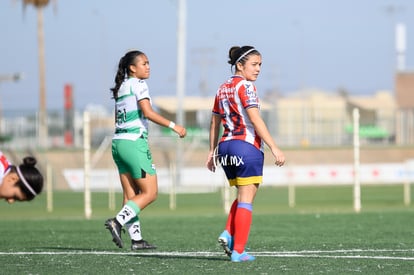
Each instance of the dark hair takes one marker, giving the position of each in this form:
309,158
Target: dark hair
123,70
31,175
240,54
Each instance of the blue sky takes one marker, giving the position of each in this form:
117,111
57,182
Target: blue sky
324,44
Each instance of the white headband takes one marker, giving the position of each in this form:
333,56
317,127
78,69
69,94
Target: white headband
25,182
243,55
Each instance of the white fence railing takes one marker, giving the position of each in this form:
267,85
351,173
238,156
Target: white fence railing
200,179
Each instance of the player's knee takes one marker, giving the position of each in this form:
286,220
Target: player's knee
153,195
150,195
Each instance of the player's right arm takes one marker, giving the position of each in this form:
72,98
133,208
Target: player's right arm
213,138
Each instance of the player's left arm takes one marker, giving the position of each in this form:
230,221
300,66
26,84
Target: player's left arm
151,114
261,129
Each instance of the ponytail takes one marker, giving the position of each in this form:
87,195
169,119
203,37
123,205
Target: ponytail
123,70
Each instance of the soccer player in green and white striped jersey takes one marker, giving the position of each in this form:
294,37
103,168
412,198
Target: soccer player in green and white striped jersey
130,149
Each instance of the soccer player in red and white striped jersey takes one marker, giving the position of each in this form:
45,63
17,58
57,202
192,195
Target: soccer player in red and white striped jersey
240,148
19,182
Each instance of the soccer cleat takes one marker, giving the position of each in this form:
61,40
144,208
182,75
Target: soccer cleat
226,242
237,257
115,228
141,244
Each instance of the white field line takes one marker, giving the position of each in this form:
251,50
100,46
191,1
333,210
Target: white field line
379,254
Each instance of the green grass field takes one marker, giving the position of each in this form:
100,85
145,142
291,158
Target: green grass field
320,235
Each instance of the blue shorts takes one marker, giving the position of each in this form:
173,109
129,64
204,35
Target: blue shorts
242,162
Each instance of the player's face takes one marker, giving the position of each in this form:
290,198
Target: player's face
141,67
9,190
251,68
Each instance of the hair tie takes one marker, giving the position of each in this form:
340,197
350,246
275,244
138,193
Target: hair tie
243,55
25,182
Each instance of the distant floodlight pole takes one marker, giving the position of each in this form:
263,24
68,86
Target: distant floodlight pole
400,45
181,48
42,131
357,184
42,121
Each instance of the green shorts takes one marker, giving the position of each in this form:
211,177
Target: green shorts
133,157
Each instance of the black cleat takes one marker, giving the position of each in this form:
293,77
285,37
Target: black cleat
115,228
141,245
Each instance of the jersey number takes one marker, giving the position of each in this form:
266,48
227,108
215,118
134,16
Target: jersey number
236,121
121,116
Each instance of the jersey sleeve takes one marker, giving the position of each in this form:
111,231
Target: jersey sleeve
4,164
248,96
140,89
216,109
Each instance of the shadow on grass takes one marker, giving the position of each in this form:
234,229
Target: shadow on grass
148,253
189,257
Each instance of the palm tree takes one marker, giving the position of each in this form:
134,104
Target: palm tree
42,119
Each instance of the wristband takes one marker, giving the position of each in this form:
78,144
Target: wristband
171,125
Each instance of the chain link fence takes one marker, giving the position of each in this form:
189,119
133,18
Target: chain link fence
300,127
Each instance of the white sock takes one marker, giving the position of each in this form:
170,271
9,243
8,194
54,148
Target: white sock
125,215
134,230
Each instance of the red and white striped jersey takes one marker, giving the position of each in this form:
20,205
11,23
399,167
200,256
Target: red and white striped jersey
4,166
232,100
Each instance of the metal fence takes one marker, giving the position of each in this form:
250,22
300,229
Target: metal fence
290,128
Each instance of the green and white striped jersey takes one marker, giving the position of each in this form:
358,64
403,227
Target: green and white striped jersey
130,122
